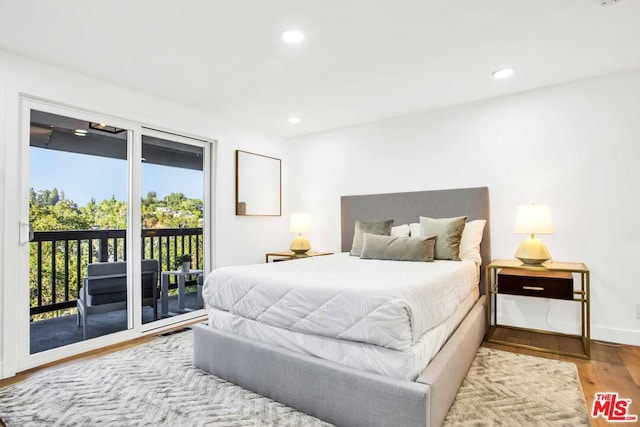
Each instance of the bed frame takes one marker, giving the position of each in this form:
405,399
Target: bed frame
346,396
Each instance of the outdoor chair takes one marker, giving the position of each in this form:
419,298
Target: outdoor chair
199,287
104,289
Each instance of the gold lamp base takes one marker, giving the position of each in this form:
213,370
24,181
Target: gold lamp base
533,251
300,245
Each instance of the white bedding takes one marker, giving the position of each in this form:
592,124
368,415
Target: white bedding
405,364
386,303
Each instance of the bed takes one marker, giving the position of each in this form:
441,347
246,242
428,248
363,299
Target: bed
260,325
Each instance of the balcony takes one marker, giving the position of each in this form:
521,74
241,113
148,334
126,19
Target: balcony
58,263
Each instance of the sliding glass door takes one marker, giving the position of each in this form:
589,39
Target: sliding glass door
173,211
114,231
78,214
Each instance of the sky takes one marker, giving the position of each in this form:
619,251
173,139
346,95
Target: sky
83,177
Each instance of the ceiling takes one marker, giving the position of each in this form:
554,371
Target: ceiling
54,132
362,60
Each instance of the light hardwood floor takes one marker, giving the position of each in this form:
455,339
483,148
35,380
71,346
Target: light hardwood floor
612,368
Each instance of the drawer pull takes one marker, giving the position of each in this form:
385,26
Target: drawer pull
533,288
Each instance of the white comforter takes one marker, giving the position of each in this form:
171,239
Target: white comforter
386,303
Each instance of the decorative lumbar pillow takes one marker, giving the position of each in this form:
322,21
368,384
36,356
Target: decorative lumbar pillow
380,228
400,230
398,248
448,231
471,239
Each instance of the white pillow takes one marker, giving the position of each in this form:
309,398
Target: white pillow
415,229
400,230
470,240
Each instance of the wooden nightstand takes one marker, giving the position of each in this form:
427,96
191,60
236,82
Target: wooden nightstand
287,255
553,280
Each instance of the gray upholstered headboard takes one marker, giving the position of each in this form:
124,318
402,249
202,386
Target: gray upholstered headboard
405,208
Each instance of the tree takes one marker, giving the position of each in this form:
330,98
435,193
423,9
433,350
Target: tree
151,199
174,200
111,214
44,215
90,211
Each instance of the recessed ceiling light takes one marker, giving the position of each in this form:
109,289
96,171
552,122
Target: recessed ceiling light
502,73
294,120
76,133
80,131
293,36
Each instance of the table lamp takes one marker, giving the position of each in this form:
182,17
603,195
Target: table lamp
533,219
300,223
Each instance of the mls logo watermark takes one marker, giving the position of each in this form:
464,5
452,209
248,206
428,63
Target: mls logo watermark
612,408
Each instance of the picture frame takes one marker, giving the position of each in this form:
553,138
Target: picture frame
258,184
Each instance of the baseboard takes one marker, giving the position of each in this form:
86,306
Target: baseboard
614,335
542,323
3,373
599,333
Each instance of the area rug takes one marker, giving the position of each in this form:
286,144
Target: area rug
155,384
509,389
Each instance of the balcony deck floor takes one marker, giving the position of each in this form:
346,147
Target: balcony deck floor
59,331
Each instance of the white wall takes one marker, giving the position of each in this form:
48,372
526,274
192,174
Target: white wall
573,146
238,240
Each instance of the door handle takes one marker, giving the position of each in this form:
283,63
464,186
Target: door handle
25,237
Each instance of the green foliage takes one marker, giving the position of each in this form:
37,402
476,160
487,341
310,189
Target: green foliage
49,210
182,258
174,211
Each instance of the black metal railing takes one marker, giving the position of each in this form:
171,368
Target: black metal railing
60,258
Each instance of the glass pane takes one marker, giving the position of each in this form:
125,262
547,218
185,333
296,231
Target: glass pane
172,218
78,212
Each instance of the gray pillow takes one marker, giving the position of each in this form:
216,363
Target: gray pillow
380,227
398,248
448,231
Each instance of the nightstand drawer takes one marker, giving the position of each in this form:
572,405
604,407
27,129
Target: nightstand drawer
543,284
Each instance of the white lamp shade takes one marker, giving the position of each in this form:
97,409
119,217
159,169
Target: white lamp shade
533,219
300,223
